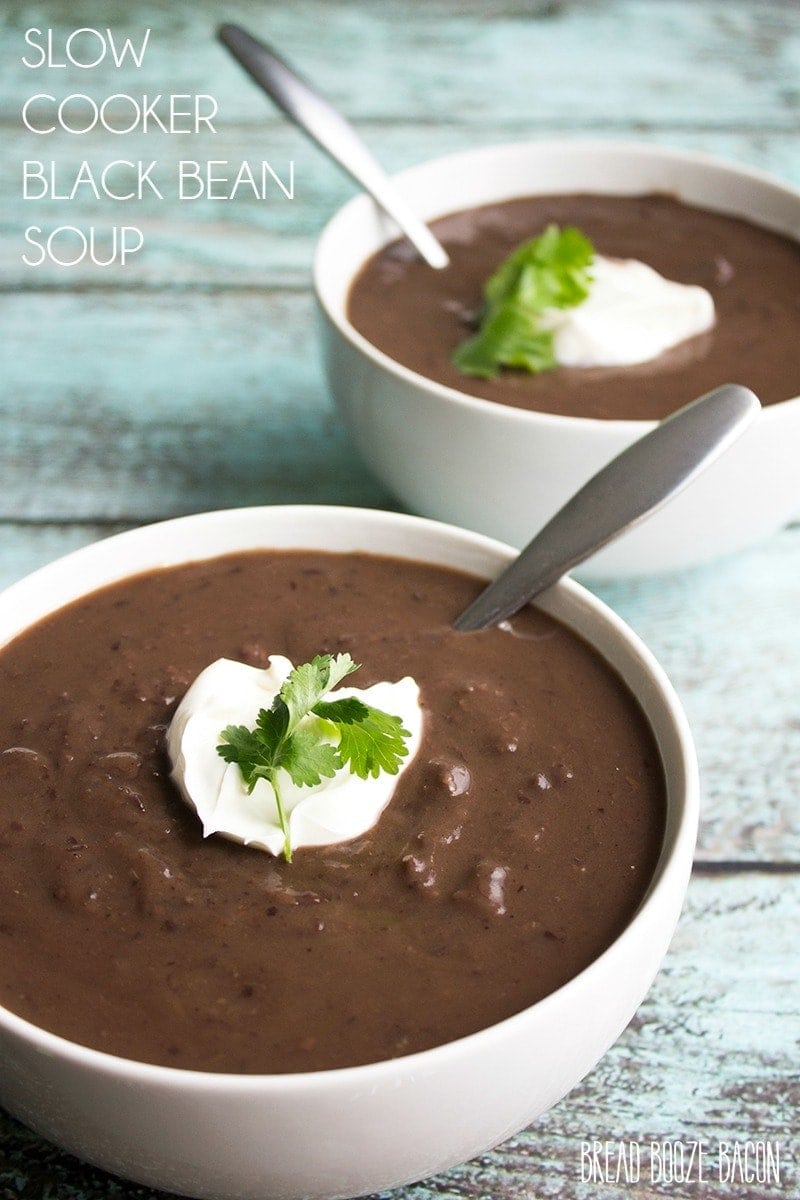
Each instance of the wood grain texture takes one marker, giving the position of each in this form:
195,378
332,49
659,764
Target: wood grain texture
727,635
189,380
253,244
430,79
209,402
562,64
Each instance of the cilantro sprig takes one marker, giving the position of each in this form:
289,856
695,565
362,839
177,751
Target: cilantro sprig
549,271
369,740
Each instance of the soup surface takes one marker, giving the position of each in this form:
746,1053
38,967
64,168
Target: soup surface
418,316
517,846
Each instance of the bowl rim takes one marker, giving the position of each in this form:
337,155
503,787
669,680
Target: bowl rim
336,314
671,870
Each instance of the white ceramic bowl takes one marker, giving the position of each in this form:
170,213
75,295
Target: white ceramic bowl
346,1132
504,471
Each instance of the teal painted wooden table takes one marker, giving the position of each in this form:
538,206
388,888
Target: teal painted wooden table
188,380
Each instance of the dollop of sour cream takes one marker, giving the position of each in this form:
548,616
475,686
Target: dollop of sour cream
335,810
631,315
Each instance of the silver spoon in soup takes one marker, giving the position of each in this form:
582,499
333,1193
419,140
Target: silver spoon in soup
632,486
329,129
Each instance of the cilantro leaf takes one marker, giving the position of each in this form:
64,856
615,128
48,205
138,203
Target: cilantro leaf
344,711
370,740
510,337
272,724
373,745
308,760
308,683
249,750
549,271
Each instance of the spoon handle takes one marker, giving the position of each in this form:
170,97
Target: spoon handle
633,485
329,129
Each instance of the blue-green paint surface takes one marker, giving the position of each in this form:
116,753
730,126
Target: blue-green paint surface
190,380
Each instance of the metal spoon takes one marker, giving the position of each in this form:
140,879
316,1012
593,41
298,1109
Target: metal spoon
634,484
329,129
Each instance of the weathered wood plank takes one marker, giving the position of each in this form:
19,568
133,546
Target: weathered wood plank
426,78
212,402
188,382
444,62
246,242
24,548
727,635
711,1055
